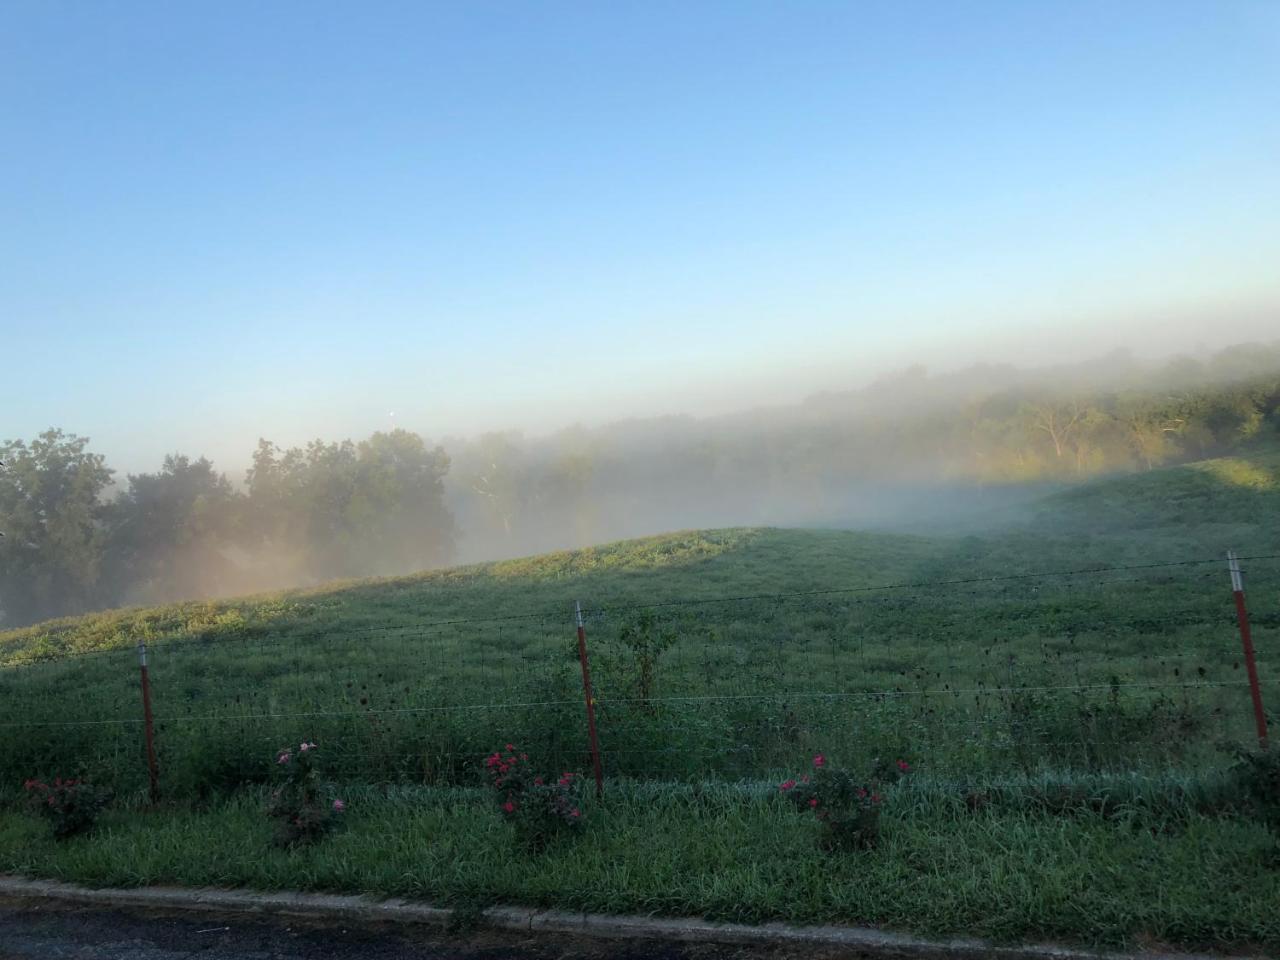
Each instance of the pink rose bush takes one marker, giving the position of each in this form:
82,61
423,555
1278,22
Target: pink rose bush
71,806
302,803
540,808
847,808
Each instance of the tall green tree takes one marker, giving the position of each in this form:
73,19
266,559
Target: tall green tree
52,516
171,533
346,509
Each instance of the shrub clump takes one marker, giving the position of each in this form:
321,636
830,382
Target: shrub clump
302,804
847,807
540,808
71,806
1257,773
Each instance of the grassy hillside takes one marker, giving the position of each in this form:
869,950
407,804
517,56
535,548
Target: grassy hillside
1192,511
818,642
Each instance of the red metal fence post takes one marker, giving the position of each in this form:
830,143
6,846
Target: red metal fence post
153,768
591,699
1242,615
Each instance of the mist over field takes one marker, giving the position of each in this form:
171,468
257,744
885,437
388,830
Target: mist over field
957,452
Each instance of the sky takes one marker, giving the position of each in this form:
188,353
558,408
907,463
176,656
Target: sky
224,220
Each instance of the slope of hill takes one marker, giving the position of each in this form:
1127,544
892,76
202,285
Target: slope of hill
768,639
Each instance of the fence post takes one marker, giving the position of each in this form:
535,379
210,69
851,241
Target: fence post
590,697
1242,616
153,769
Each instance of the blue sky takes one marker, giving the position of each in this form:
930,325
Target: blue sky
222,220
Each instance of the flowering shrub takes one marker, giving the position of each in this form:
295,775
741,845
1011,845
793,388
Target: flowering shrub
538,807
70,806
847,807
302,804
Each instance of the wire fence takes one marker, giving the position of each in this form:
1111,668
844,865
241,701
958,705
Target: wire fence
1122,668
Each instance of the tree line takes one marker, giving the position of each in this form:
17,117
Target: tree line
305,514
75,539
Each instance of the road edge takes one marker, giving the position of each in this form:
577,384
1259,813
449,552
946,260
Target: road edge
362,909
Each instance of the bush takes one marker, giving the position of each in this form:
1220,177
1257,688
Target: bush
848,808
537,807
302,805
70,806
1257,775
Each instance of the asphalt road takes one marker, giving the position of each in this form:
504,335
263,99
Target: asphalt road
30,931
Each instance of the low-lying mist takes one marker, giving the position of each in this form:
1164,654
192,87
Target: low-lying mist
911,452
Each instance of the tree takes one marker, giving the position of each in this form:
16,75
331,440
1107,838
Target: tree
346,509
397,516
1061,420
52,517
1150,429
170,532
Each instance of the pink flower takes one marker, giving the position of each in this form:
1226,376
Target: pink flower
819,760
509,807
862,792
813,801
304,747
786,784
338,806
492,761
284,757
575,814
537,781
511,746
904,766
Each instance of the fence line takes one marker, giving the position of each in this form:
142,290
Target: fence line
730,685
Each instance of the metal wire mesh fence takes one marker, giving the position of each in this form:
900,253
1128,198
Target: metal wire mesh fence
1118,669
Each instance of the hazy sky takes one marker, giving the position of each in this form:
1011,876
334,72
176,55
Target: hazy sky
223,220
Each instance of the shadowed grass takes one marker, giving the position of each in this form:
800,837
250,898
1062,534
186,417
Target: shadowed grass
1011,871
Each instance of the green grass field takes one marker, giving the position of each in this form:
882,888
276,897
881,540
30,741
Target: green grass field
722,660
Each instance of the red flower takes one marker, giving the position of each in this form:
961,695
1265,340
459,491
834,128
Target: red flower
904,766
537,781
819,760
862,792
574,813
509,807
786,784
813,801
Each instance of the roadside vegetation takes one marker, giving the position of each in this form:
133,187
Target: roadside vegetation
1016,869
